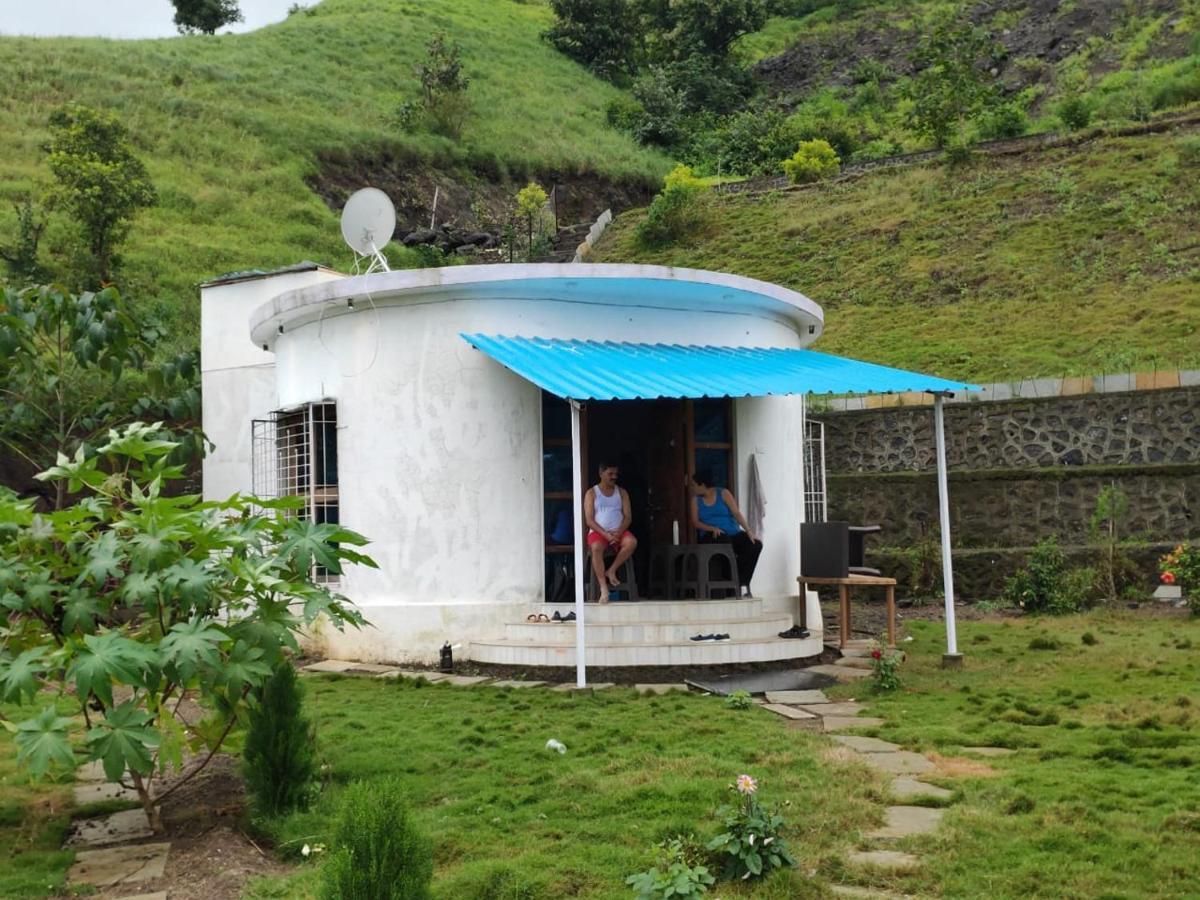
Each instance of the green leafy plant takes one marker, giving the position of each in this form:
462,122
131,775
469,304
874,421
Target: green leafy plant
751,845
131,598
376,850
1116,571
739,700
76,366
1046,586
99,180
814,161
205,16
601,34
885,668
681,208
1182,567
679,872
22,255
1007,120
952,86
1074,112
531,199
278,760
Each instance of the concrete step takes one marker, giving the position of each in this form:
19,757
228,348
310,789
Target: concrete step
675,653
641,632
662,610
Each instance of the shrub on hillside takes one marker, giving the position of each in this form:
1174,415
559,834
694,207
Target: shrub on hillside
1188,149
279,762
1075,113
680,209
813,161
752,142
377,851
1008,120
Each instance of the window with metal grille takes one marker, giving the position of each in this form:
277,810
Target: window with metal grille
816,500
295,455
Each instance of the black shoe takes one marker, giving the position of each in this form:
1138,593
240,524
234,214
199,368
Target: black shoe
569,617
795,632
557,617
720,637
703,637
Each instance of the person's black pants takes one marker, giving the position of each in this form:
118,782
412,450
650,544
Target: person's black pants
745,551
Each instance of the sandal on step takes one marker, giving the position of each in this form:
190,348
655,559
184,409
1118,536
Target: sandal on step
542,617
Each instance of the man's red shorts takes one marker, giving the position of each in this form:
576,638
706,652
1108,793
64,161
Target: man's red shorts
595,537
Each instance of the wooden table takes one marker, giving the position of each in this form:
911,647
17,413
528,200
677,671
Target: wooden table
843,586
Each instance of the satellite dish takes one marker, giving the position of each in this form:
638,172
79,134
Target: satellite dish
368,221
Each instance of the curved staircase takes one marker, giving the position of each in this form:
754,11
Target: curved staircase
651,633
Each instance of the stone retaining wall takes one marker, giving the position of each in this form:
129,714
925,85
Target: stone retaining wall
1020,471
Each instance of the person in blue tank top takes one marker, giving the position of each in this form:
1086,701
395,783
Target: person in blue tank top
716,517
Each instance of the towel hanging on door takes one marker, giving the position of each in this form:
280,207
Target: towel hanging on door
756,500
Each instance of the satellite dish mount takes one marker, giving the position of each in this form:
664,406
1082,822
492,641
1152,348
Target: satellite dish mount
368,222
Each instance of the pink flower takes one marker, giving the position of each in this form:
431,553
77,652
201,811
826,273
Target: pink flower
1168,577
876,654
746,784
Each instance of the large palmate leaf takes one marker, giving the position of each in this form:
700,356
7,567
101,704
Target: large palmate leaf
19,675
123,740
107,658
192,645
191,579
245,666
140,587
104,558
80,610
43,740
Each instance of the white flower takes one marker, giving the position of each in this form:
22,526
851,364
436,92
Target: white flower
305,850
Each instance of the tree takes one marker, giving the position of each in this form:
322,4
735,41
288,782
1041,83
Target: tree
205,16
952,85
444,85
22,256
75,366
100,181
531,199
600,34
130,599
680,209
683,28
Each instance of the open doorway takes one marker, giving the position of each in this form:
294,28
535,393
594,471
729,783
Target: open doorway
655,444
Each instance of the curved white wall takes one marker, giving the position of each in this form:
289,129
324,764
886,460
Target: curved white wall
439,454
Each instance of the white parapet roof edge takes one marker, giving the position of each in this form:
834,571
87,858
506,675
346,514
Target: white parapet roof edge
614,284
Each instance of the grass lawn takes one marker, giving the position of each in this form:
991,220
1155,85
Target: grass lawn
1102,798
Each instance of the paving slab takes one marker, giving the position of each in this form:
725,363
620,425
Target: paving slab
865,744
841,674
989,751
855,662
431,677
659,688
516,683
369,669
330,665
115,828
788,712
849,890
845,710
92,792
905,788
761,682
119,865
844,723
797,698
888,860
905,821
465,680
899,762
569,686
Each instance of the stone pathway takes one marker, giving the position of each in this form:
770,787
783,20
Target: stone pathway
902,768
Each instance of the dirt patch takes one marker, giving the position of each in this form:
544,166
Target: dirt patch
960,767
468,199
211,855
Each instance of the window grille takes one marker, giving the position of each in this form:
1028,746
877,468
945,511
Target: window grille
295,455
816,502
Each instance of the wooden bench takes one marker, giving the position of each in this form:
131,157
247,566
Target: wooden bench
843,586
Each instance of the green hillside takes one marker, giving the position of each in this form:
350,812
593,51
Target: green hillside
1065,261
232,127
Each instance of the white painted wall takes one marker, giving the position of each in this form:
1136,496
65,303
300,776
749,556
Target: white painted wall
237,379
439,452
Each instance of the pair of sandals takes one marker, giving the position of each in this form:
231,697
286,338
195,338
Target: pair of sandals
539,618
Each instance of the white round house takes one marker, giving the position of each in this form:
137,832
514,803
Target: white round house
456,416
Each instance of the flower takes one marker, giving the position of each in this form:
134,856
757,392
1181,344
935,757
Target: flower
746,784
876,654
305,850
1168,577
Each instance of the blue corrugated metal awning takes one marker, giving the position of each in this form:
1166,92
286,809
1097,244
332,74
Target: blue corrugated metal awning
592,370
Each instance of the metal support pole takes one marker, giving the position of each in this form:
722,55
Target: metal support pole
952,656
577,531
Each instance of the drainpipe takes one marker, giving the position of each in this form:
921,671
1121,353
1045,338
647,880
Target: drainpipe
951,659
577,530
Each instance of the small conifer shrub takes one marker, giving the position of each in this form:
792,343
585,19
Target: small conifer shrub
279,761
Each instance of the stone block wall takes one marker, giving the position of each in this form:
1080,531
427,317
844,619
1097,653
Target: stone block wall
1019,471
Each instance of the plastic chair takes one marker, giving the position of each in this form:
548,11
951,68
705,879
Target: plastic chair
627,585
695,574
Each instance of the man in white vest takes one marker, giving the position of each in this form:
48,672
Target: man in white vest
607,512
